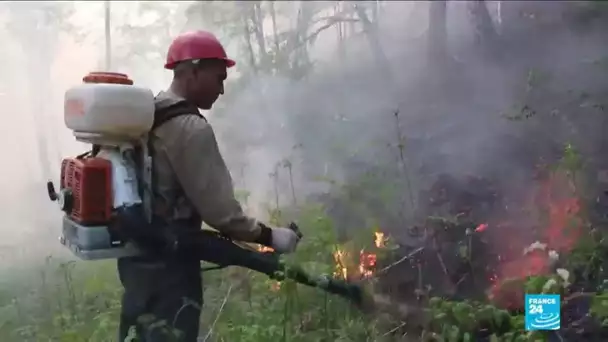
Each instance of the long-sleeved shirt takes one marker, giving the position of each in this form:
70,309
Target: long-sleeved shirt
191,176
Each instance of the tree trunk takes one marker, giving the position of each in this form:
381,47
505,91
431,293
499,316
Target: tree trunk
256,16
340,32
275,35
373,39
298,46
486,36
376,13
246,29
437,37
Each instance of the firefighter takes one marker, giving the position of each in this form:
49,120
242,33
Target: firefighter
192,184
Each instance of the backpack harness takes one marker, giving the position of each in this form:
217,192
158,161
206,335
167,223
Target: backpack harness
145,174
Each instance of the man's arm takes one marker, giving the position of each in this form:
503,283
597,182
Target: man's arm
200,169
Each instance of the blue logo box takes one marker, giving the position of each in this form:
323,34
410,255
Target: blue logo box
543,312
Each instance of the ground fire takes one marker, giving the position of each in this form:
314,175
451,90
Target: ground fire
364,268
560,231
516,258
477,254
353,268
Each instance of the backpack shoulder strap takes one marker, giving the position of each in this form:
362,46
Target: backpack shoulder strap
162,114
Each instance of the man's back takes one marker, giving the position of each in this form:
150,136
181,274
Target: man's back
170,143
192,181
155,286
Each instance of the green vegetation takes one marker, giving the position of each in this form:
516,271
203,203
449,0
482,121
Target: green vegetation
79,301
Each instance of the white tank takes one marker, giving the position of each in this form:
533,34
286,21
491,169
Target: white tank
107,107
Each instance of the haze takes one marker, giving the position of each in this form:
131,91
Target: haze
335,122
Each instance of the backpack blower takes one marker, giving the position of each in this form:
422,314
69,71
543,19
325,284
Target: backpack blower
104,193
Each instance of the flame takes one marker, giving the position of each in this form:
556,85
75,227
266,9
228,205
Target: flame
341,258
481,228
557,195
380,240
349,269
274,285
367,264
265,249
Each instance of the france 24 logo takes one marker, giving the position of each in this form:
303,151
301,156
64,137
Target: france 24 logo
542,312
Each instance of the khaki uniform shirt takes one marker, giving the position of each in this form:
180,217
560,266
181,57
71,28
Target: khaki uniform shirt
192,177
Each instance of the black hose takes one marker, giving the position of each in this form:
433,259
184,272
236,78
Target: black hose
182,240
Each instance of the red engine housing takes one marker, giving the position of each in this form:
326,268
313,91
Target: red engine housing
90,182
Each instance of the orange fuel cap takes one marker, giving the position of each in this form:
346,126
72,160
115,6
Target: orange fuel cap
107,77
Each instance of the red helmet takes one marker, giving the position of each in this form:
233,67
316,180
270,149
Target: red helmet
196,45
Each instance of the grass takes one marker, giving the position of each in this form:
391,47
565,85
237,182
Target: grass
79,301
66,300
73,301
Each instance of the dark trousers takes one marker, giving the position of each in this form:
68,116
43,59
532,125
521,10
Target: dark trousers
162,300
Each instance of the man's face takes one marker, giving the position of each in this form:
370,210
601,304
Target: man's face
207,83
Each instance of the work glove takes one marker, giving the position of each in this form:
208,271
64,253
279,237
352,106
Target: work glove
284,240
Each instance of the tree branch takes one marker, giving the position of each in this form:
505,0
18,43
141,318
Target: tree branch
331,22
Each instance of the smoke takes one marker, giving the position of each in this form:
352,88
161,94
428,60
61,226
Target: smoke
343,114
336,123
